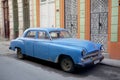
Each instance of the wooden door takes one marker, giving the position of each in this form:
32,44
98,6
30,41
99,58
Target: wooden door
6,18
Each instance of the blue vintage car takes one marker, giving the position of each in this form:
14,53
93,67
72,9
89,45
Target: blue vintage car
57,45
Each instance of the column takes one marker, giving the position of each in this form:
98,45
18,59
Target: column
20,15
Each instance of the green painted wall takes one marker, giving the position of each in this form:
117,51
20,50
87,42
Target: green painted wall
35,21
57,5
114,21
82,19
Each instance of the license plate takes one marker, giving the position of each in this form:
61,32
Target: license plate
97,61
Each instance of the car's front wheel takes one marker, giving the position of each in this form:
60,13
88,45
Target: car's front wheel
19,54
67,64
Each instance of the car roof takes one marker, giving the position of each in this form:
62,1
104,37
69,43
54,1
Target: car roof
47,29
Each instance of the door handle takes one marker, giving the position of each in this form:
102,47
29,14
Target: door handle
100,27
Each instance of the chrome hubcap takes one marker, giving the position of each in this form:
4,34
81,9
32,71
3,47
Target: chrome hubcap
66,64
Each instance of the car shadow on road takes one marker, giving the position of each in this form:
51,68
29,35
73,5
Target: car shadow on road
53,67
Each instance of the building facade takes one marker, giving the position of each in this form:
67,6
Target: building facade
95,20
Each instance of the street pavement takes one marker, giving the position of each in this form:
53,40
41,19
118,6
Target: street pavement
12,68
4,50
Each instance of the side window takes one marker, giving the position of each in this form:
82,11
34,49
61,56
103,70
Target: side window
42,35
31,34
54,34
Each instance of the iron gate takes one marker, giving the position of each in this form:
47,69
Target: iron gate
71,16
26,14
15,18
99,22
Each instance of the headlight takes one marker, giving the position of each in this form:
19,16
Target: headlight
102,48
83,53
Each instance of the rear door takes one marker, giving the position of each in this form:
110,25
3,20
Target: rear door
29,42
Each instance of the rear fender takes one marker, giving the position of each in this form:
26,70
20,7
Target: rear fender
17,44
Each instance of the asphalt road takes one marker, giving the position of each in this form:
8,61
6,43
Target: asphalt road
12,68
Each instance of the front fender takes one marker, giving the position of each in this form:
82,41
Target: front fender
17,44
74,53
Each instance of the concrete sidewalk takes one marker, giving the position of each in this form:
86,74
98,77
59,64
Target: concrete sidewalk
4,50
110,62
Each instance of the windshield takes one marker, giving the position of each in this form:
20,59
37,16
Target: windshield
60,34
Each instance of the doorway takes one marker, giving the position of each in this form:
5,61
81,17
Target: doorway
71,16
6,18
99,22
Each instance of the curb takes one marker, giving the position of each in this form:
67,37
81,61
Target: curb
7,54
111,62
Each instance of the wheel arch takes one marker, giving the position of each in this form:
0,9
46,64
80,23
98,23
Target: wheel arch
18,47
61,56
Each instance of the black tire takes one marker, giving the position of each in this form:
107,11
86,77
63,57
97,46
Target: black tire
67,64
19,54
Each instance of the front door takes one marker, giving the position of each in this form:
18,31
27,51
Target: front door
99,22
6,18
71,16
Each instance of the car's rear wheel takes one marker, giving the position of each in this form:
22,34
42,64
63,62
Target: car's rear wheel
19,54
67,64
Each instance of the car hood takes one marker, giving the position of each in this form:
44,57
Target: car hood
77,43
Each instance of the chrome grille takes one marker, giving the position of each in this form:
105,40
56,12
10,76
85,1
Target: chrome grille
91,55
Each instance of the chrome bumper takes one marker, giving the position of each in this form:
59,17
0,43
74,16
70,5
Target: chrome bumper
91,60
